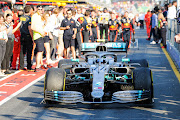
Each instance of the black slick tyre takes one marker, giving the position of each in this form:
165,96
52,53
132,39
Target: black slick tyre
65,63
54,80
142,62
142,80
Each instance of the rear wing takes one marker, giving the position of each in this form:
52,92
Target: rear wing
102,46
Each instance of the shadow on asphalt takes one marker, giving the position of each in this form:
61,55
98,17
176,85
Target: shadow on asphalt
160,109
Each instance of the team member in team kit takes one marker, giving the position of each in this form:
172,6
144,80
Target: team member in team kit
79,34
85,24
94,26
79,29
86,27
113,27
17,43
127,26
70,30
26,38
103,20
148,21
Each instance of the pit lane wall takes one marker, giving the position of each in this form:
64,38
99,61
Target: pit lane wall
173,48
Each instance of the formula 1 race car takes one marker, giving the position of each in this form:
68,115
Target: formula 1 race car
99,79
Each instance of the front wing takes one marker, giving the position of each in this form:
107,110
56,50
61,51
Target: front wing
77,97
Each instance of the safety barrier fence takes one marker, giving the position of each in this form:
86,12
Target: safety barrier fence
172,47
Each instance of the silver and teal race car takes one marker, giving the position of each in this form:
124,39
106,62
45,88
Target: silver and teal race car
99,79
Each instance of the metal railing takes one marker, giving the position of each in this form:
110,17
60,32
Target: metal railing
173,29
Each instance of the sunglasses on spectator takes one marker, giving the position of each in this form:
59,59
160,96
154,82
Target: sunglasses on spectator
69,13
39,9
8,15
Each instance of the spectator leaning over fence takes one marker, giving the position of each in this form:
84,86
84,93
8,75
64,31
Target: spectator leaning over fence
3,40
162,27
154,27
38,34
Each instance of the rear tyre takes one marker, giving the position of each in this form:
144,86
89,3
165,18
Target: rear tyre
142,62
62,64
64,61
54,80
142,79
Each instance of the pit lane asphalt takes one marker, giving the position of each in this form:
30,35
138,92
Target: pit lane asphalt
27,105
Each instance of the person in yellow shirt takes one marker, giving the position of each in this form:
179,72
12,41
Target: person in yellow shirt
38,34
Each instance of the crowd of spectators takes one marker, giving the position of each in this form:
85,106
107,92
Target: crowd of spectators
157,21
54,34
32,33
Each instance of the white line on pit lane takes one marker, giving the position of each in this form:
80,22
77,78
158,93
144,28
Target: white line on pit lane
21,90
15,72
9,75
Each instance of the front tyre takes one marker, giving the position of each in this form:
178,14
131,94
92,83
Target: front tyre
54,80
142,79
